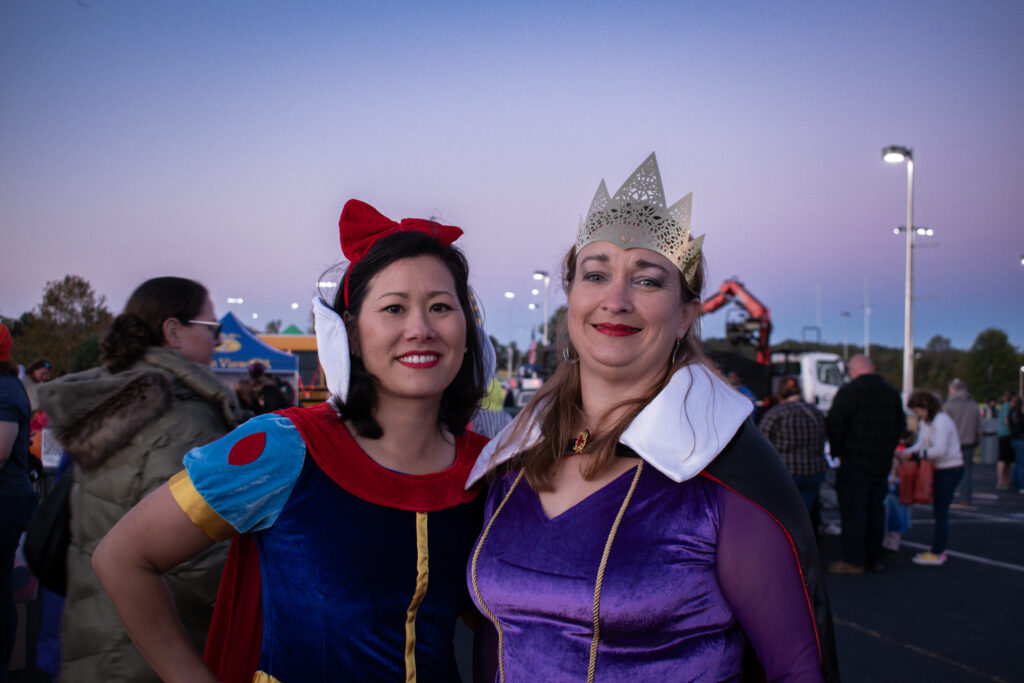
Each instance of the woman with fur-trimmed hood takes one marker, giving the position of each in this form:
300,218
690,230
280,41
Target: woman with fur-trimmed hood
127,426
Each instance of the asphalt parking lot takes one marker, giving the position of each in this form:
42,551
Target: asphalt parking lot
959,622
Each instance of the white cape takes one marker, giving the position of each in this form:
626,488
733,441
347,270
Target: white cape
679,432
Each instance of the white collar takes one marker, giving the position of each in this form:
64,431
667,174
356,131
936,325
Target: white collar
679,432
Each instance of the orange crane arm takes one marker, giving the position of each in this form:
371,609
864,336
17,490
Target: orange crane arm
732,290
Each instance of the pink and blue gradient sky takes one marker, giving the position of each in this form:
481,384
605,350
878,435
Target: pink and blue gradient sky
219,141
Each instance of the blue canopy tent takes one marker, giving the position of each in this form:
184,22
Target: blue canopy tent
239,347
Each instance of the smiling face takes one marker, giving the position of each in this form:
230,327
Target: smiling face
410,331
626,311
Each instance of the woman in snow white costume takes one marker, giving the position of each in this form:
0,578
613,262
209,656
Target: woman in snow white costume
638,526
356,506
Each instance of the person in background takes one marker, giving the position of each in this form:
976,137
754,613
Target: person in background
638,526
355,507
127,425
938,441
260,392
37,373
797,430
737,382
492,416
1005,477
967,418
864,427
1015,426
18,498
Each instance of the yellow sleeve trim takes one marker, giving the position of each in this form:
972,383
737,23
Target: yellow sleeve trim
201,514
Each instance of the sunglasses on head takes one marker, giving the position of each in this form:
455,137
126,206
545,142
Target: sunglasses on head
217,327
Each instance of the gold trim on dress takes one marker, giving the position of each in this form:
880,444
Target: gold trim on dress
422,576
197,509
592,663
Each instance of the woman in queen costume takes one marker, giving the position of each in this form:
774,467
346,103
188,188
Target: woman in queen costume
638,526
357,506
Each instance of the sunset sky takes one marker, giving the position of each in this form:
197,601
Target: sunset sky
219,141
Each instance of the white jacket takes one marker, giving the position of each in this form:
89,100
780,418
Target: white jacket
940,440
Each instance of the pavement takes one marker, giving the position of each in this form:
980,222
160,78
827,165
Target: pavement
958,622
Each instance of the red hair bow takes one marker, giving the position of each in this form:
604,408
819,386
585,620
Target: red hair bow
361,226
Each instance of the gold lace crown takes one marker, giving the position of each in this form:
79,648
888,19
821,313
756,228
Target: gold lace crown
637,217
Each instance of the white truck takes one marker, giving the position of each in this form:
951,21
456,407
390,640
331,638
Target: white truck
820,374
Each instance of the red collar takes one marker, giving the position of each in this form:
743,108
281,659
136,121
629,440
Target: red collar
340,457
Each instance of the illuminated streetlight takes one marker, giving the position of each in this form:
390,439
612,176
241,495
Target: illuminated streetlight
295,305
895,154
255,315
918,230
235,300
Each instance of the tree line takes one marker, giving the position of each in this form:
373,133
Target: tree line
67,325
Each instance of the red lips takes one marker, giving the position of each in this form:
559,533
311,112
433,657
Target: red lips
616,330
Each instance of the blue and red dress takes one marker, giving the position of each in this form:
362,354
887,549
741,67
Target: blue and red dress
360,568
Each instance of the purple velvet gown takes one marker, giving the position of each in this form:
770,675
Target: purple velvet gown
693,572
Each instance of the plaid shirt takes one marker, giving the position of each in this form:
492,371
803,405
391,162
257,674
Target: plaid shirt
797,430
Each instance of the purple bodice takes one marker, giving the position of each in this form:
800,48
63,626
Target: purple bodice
663,614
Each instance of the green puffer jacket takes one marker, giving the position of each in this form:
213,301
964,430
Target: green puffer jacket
127,433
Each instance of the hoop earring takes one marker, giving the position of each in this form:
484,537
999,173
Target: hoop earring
566,354
675,348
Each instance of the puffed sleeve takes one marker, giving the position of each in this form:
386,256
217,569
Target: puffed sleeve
241,482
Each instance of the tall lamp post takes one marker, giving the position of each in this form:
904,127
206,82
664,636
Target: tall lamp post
846,319
511,333
894,154
543,275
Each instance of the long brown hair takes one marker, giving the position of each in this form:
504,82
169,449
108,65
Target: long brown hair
557,406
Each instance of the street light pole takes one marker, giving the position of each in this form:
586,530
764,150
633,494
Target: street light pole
543,275
895,154
511,333
867,321
846,320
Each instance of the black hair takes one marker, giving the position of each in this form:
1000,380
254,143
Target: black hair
36,364
141,323
460,400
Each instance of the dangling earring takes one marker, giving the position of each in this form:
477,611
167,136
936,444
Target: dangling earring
675,348
565,352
